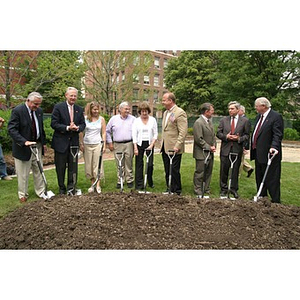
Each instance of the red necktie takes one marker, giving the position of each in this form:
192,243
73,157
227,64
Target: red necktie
232,125
33,127
256,132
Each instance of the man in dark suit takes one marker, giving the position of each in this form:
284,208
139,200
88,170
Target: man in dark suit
26,128
233,131
266,138
174,131
204,140
67,122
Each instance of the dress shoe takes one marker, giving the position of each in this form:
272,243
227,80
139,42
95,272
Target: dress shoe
130,185
250,172
223,195
7,178
23,199
235,194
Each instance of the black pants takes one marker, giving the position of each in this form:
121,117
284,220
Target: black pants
175,178
63,161
139,167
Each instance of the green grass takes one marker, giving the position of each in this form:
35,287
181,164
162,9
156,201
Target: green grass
247,188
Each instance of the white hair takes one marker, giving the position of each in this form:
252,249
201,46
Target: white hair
122,104
70,88
33,95
263,101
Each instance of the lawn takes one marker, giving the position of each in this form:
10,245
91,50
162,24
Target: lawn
289,182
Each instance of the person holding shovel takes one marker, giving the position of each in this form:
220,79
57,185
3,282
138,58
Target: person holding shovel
91,143
233,131
266,139
67,121
204,145
174,131
26,128
144,136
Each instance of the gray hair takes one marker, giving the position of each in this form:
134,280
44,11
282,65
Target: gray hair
204,107
263,101
242,107
34,95
122,104
70,88
235,103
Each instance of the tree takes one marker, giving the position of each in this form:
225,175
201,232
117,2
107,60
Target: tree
54,72
189,77
15,66
110,75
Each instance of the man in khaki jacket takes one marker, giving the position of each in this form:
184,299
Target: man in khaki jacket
174,130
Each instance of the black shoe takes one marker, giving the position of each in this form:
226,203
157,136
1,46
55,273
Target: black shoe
235,194
250,172
223,194
130,185
151,186
118,186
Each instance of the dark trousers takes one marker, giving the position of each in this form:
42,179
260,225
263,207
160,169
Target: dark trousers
272,181
175,178
63,161
139,167
224,173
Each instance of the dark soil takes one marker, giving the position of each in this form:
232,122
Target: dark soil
150,221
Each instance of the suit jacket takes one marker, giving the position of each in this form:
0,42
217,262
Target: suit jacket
269,136
175,131
204,137
63,139
242,129
20,130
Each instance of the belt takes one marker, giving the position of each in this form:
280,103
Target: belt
123,142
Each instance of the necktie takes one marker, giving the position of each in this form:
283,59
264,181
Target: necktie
33,127
232,126
71,113
256,132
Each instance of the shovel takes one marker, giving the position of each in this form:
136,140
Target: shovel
92,188
148,153
74,192
119,157
270,158
206,161
171,155
47,195
232,157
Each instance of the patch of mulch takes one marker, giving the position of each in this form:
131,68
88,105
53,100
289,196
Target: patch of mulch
150,221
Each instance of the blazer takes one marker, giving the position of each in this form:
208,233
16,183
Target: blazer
175,130
242,129
63,139
19,128
204,137
269,136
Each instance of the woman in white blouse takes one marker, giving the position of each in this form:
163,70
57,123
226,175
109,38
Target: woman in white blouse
94,134
144,135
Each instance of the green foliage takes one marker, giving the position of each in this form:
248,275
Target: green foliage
48,131
190,131
296,125
5,139
291,134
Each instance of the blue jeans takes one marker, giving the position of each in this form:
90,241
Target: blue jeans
3,172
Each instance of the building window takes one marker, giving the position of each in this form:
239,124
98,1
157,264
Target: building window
165,63
123,76
155,96
135,95
135,110
146,79
146,95
136,78
156,80
156,62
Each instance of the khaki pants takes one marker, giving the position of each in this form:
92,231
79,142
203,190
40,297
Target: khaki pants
127,149
91,157
23,170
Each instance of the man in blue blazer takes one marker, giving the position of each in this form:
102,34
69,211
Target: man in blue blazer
266,138
26,128
67,122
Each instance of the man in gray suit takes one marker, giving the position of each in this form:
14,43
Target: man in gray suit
204,145
233,131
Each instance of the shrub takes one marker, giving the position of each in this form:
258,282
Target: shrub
5,138
190,131
291,134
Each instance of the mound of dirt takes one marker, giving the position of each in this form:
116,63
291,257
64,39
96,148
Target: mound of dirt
150,221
